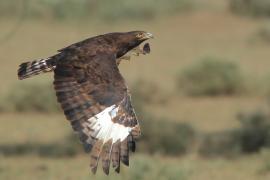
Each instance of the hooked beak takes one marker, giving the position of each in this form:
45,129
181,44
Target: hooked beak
145,36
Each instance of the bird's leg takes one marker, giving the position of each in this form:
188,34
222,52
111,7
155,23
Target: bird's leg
125,57
136,51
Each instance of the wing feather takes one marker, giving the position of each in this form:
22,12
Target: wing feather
95,156
124,152
95,100
106,156
116,155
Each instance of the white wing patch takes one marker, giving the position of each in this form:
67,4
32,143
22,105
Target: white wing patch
106,128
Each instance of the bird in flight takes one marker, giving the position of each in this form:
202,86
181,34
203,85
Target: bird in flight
93,93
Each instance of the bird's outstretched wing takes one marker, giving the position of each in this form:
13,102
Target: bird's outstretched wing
97,103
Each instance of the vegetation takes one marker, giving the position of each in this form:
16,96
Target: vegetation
251,7
142,167
27,97
66,148
250,137
103,9
156,170
263,34
165,136
211,77
219,144
255,131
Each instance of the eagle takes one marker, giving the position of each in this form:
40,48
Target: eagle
93,94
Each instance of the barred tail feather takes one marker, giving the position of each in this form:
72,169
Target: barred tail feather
29,69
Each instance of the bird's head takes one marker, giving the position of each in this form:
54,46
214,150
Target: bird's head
130,40
141,36
135,38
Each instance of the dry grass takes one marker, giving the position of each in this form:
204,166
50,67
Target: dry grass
189,168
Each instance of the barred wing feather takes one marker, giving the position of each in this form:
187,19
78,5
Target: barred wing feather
96,101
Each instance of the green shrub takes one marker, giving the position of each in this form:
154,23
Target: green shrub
254,132
98,10
165,136
211,77
154,168
251,136
225,143
251,7
263,34
38,97
66,148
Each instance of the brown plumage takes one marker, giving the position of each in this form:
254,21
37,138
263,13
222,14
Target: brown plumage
93,94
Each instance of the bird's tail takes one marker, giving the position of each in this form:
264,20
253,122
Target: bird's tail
32,68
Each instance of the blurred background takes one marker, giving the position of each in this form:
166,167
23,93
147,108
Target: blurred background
202,95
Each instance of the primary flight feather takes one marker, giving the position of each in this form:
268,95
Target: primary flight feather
93,94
